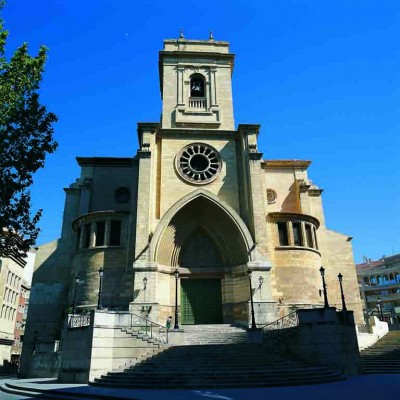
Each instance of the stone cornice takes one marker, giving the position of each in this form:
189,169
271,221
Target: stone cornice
96,214
255,156
105,161
147,126
249,128
196,54
289,216
197,133
143,127
144,154
285,164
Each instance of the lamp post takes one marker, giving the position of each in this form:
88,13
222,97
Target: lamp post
322,271
99,305
144,288
76,285
340,277
253,321
176,273
260,283
380,314
34,342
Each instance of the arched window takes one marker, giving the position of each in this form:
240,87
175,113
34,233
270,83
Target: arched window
197,83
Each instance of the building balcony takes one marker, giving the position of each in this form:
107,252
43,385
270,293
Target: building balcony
380,286
197,103
383,297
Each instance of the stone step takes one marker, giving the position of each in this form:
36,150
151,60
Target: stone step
202,367
210,334
222,366
239,383
224,373
383,357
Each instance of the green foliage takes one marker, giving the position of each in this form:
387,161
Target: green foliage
26,137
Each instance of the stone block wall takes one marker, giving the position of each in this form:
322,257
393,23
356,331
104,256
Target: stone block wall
117,278
173,188
91,351
326,337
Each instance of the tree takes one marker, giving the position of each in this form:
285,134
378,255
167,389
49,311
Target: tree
26,137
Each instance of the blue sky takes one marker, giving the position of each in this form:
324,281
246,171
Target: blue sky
321,77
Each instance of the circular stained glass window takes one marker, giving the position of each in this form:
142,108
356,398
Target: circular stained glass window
271,196
122,195
198,163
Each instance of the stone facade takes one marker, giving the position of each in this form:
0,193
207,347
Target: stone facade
379,282
198,198
14,278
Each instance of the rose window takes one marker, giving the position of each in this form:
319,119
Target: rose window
198,163
271,196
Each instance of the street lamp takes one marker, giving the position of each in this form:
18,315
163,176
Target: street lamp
322,271
76,285
380,313
340,277
260,281
144,288
99,305
253,321
176,273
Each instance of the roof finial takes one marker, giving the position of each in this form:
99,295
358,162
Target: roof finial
181,36
211,36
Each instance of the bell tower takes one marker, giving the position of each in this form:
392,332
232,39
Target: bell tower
196,84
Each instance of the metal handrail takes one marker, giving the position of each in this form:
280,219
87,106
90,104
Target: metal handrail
78,320
363,328
288,321
152,329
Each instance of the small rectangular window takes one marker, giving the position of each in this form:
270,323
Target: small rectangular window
315,238
87,236
100,230
283,234
115,233
78,238
297,234
309,236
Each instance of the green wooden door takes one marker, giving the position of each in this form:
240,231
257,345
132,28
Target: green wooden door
201,301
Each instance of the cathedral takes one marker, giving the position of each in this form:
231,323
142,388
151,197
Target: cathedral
186,219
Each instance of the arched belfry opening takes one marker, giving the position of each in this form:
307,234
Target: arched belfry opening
205,242
197,85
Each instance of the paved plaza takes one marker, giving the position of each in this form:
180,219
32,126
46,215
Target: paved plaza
363,387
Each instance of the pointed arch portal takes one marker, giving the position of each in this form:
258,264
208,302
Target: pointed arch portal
203,212
205,239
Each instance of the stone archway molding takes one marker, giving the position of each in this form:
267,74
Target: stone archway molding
180,204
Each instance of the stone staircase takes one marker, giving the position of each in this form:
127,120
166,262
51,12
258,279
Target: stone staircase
384,356
214,334
217,357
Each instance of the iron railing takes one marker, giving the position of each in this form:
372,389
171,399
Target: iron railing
364,328
149,328
197,103
78,320
288,321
